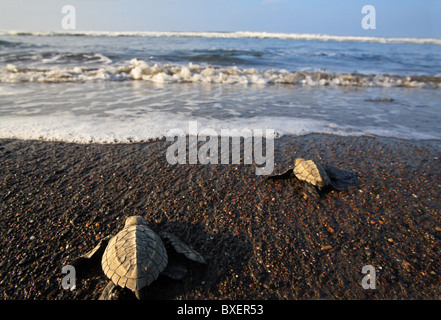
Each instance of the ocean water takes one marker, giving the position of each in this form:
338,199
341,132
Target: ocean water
129,87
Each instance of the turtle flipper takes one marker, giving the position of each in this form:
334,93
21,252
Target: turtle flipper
310,191
341,179
182,248
108,292
285,175
93,256
175,271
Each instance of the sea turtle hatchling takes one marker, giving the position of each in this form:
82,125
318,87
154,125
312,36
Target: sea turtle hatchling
317,177
135,257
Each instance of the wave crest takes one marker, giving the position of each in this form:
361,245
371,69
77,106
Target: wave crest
237,34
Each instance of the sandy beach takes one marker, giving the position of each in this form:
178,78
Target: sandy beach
262,240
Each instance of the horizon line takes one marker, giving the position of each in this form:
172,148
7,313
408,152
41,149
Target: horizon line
229,34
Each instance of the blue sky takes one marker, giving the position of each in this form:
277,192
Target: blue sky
394,18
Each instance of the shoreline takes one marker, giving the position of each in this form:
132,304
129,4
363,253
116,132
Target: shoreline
262,240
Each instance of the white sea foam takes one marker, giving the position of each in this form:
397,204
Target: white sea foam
194,73
85,129
237,34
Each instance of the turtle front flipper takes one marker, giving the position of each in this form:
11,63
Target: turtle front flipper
182,248
91,257
341,179
175,271
310,191
285,175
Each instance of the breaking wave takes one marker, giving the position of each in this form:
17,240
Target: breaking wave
140,70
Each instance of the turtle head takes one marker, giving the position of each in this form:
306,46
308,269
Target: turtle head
135,220
298,160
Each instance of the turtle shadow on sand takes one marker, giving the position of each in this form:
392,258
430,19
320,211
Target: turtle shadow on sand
318,179
182,274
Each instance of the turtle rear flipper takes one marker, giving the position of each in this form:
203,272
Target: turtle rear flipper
109,291
180,247
285,175
310,191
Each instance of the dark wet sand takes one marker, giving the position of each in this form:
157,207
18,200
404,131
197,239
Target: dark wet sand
262,240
